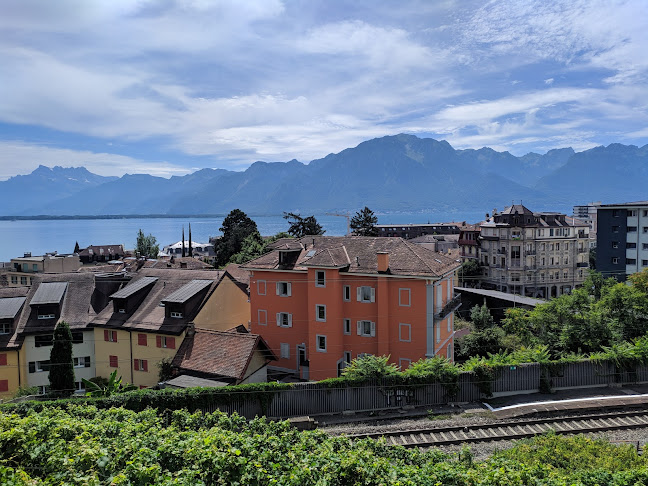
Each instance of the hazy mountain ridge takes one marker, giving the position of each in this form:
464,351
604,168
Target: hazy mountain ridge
393,173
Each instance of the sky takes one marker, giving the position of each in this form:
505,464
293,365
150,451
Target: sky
168,87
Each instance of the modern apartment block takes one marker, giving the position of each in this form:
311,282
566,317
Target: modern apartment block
622,239
23,268
539,255
320,302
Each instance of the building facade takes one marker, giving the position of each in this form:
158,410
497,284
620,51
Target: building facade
320,302
409,231
23,268
540,255
622,239
588,213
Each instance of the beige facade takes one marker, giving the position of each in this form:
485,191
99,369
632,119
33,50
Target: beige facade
23,268
9,374
226,308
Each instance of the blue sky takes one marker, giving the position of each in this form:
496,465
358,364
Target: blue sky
171,86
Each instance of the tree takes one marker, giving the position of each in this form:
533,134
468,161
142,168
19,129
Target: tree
61,374
485,337
254,245
147,246
112,386
468,271
300,227
640,280
236,227
370,367
364,223
76,248
166,370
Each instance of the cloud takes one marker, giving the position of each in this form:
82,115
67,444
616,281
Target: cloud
107,164
549,81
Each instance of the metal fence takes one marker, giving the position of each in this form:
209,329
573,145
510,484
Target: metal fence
317,399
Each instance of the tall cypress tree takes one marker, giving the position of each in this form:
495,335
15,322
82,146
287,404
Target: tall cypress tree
61,374
190,248
183,245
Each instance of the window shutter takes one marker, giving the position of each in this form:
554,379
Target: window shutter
278,286
279,319
106,335
141,339
136,364
359,293
145,364
359,328
289,320
289,289
114,336
373,329
87,362
158,341
32,367
171,343
113,361
3,360
373,294
4,385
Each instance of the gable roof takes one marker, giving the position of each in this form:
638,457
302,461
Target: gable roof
10,306
134,287
49,293
102,250
355,254
187,291
219,354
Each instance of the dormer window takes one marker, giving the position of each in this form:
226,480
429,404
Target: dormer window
121,310
5,328
46,316
176,314
282,257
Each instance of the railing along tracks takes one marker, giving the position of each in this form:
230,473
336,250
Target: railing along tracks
459,434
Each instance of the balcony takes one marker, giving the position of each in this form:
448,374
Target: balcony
451,306
582,264
530,253
583,250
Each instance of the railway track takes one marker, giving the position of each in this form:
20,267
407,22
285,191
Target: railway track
459,434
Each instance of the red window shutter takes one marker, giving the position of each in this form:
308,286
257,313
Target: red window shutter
106,335
113,361
136,364
4,385
171,343
3,360
114,336
158,341
141,387
145,365
141,339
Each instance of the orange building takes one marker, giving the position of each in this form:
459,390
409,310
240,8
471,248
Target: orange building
320,302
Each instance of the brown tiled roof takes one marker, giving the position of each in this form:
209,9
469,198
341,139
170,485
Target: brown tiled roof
14,291
237,273
149,316
356,254
219,354
104,250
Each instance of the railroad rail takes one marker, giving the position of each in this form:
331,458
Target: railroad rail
459,434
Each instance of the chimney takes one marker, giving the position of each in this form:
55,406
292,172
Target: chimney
191,329
383,261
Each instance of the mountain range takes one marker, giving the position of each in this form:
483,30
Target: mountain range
394,173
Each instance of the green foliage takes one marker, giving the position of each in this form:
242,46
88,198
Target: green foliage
254,245
165,369
370,367
113,386
468,272
61,373
639,281
481,318
363,223
435,370
25,391
86,445
147,246
300,226
237,226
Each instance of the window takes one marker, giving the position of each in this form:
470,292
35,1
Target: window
43,340
321,343
110,336
405,332
404,363
78,386
557,246
113,361
284,319
449,351
5,328
176,314
615,229
346,293
34,267
23,280
438,332
366,328
645,213
14,279
615,260
262,317
542,247
38,366
615,244
632,229
141,340
320,313
320,278
366,294
121,310
645,229
83,362
631,245
77,337
3,359
631,261
261,287
405,297
346,324
284,289
615,213
285,350
165,342
46,316
347,357
644,246
644,263
632,213
140,365
565,275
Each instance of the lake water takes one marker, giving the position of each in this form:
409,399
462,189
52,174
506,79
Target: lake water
41,236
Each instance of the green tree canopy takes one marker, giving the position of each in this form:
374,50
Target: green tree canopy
468,272
370,367
254,245
237,226
61,374
364,223
300,227
147,246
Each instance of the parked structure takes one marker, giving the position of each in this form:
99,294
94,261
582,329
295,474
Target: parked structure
101,253
538,255
622,239
24,267
322,301
409,231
